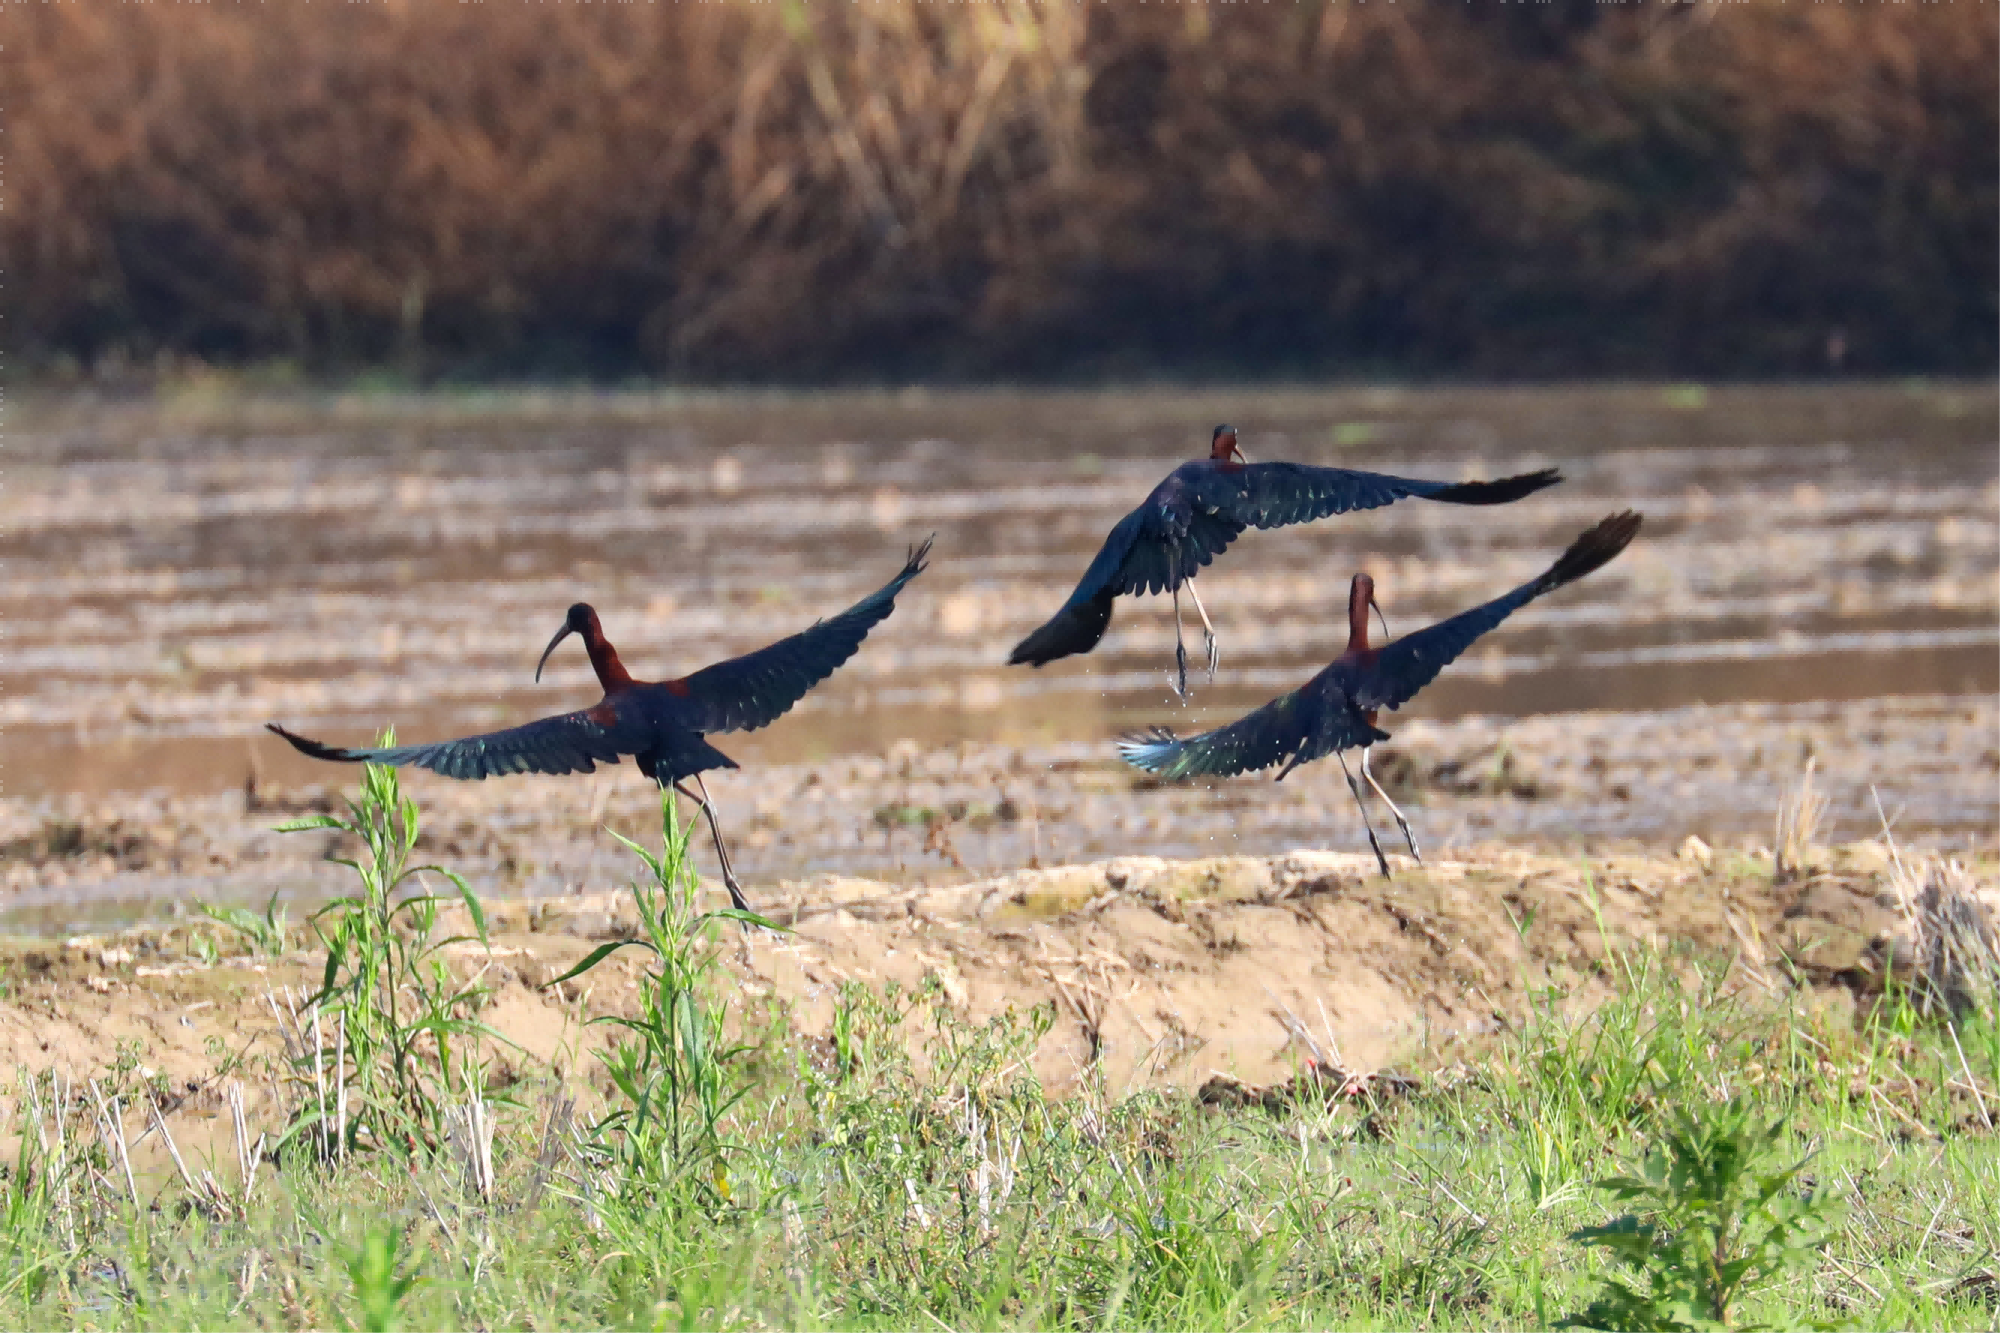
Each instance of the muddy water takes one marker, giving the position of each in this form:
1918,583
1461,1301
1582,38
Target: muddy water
1820,573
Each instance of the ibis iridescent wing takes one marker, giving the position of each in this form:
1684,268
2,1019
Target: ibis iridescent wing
1292,729
1405,666
1272,495
758,688
567,743
1137,557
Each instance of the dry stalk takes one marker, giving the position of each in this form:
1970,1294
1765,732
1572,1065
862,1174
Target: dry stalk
56,1157
111,1132
1799,815
1978,1095
1949,951
793,1226
330,1145
1090,1006
208,1194
1299,1033
917,1209
1955,963
340,1081
248,1157
304,1037
288,1025
469,1129
577,1146
560,1119
993,1171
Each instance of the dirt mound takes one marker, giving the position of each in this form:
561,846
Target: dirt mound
1162,972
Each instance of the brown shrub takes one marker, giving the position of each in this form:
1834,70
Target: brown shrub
795,191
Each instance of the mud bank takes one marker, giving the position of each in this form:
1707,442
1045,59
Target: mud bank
1162,973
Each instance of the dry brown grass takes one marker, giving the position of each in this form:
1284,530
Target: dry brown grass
1949,944
1799,815
793,190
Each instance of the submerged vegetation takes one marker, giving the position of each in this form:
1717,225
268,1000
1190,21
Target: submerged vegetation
1704,1148
802,191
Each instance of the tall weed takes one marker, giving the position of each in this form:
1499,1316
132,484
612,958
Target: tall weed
380,1280
676,1070
387,985
28,1216
1714,1218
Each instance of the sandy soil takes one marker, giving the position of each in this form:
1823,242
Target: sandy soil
1161,972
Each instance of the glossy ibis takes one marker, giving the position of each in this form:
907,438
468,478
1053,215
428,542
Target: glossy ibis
660,723
1336,709
1204,505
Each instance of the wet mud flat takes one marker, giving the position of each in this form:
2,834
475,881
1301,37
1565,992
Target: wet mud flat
1819,578
1563,784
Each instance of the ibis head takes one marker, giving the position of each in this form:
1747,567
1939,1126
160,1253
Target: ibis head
581,619
1222,446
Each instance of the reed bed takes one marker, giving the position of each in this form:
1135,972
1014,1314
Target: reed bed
798,191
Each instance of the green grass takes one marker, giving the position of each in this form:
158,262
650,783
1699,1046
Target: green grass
839,1183
402,1022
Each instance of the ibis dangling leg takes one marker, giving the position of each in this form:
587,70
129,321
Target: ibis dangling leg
1180,651
1362,805
1209,643
707,804
1401,822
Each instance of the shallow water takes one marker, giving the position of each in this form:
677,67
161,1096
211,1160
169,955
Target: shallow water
182,570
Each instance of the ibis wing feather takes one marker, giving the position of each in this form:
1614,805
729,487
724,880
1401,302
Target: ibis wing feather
1292,729
566,743
756,689
1402,668
1074,629
1082,620
1155,548
1165,550
1193,516
1405,666
1273,495
1104,573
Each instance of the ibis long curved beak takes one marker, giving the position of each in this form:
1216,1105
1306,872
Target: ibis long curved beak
561,634
1379,616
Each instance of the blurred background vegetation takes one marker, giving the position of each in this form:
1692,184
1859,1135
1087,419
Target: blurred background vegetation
815,192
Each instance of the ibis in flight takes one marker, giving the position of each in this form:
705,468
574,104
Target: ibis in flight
1202,506
662,724
1336,710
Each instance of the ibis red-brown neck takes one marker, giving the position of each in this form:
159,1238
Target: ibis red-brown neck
582,621
611,673
1360,596
1222,446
